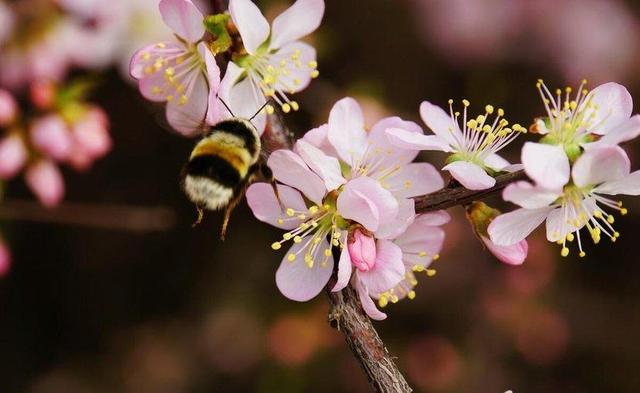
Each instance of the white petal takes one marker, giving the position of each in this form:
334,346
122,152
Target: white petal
296,280
346,130
414,141
601,165
327,167
344,269
367,304
559,224
496,162
512,227
404,218
183,17
290,169
622,133
299,20
471,176
413,180
629,185
298,75
547,165
613,106
266,208
253,27
441,123
529,196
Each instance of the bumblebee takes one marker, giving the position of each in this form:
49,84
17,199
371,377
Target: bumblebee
222,165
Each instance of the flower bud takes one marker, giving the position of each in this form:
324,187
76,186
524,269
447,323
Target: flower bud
362,250
91,133
13,155
8,108
43,94
51,136
45,180
480,215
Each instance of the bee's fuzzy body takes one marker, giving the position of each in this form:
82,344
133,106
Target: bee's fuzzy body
222,163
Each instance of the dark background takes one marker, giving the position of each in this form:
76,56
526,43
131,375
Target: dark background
103,310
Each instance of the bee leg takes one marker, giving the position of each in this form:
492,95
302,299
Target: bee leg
267,174
200,216
227,214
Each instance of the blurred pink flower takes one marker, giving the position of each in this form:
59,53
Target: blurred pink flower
45,180
13,155
7,22
277,63
8,108
5,258
51,136
433,363
42,94
183,73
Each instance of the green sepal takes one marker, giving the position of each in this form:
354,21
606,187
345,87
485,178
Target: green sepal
480,215
217,26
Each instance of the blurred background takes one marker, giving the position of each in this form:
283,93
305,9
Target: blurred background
114,291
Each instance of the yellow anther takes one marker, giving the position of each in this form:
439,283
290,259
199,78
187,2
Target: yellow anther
276,245
466,102
295,106
286,108
297,239
270,110
382,302
582,254
417,268
564,252
327,252
610,219
489,109
472,123
291,257
624,211
179,60
570,237
500,112
183,99
169,71
408,184
411,295
169,98
422,254
431,272
616,234
161,45
335,242
287,236
290,212
450,101
313,209
280,221
435,257
302,216
313,64
315,74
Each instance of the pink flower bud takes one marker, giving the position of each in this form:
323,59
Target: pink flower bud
91,133
13,155
51,136
5,259
45,180
8,108
362,251
43,94
514,254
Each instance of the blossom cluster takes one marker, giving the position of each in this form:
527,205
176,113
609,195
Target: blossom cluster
268,63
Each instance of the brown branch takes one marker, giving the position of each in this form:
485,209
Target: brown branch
456,195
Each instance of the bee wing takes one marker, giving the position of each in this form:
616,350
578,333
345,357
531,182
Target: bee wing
182,121
276,135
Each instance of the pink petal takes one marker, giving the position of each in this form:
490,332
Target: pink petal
406,214
441,123
529,196
367,304
629,185
8,108
327,167
496,162
299,20
412,141
213,78
344,269
265,206
91,134
601,165
299,72
318,138
388,270
366,202
559,223
420,242
184,18
414,180
362,250
622,133
187,118
346,130
147,57
385,156
436,218
296,280
241,97
613,106
13,155
45,180
51,136
471,176
547,165
253,27
290,169
510,228
511,255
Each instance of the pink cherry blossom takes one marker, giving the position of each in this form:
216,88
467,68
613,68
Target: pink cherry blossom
567,205
183,72
51,136
13,155
474,145
597,118
277,63
45,180
8,108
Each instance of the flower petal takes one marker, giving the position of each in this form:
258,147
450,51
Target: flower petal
298,72
214,108
612,105
404,218
560,223
601,165
381,155
512,227
547,165
346,130
414,180
367,304
436,218
327,167
496,162
46,182
421,242
441,123
388,270
252,25
629,185
366,202
290,169
241,97
13,155
296,280
299,20
622,133
184,18
344,269
265,206
413,141
470,175
514,254
187,117
527,195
